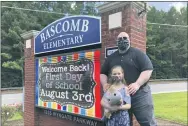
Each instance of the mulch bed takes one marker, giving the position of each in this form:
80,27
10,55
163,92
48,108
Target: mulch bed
15,123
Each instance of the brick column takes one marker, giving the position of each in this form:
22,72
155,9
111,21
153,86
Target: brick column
29,82
137,26
131,23
126,19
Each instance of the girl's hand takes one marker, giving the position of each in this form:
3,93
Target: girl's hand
114,108
121,107
121,101
125,107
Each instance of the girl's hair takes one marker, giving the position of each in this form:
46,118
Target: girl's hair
110,81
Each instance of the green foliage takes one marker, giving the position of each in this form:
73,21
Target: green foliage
11,112
16,21
7,112
167,45
12,65
5,55
20,110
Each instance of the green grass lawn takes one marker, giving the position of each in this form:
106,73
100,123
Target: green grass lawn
171,106
17,116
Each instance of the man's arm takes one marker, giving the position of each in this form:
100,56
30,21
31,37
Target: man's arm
103,80
144,77
146,68
103,75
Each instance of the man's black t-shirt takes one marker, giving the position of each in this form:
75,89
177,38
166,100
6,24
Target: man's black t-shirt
133,63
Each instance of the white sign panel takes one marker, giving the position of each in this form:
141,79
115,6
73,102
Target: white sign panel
110,50
115,20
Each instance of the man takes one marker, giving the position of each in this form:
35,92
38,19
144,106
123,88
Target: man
137,71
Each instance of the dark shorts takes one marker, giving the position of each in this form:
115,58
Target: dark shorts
142,107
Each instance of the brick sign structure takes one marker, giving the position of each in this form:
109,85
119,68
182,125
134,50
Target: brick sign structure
67,81
62,85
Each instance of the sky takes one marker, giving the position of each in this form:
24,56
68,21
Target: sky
165,6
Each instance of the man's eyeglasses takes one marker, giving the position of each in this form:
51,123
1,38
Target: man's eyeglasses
121,38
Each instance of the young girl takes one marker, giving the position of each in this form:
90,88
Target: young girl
118,113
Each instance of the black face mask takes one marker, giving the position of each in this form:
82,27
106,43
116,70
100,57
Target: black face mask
115,79
123,43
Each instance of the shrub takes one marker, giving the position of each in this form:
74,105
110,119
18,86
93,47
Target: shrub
20,110
7,112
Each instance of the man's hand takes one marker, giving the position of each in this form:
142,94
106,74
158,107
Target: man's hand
133,88
105,87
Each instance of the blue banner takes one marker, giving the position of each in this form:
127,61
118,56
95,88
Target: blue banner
68,33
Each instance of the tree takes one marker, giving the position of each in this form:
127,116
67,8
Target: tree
17,21
167,44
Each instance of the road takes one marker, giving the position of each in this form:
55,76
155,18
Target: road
166,87
155,88
12,98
